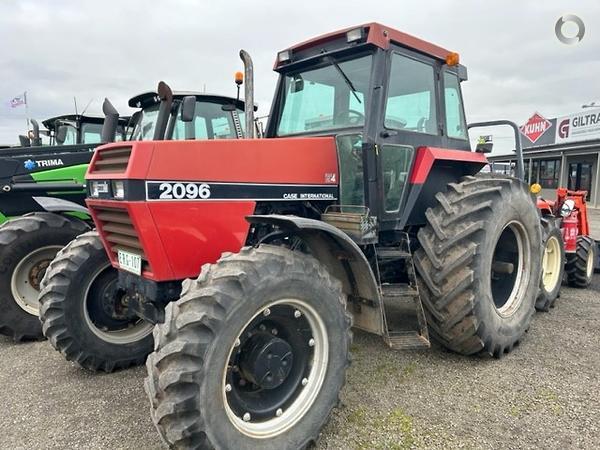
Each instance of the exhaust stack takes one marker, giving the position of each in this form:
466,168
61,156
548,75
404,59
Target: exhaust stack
111,121
36,141
248,93
164,111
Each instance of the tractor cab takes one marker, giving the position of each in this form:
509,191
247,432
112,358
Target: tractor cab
73,129
389,99
191,115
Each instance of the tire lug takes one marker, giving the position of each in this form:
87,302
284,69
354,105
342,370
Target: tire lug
246,417
311,342
279,412
266,312
297,314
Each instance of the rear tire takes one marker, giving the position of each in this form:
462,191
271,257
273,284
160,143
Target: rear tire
553,267
580,265
479,264
195,373
27,245
78,314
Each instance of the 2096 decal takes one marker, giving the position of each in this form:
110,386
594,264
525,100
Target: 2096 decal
180,191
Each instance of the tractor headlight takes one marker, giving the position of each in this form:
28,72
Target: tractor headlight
97,188
118,189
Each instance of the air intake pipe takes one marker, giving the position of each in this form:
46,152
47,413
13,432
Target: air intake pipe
164,111
111,121
248,93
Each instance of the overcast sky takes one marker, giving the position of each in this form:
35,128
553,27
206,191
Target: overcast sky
59,49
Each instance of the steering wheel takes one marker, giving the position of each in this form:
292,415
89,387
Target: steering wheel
357,119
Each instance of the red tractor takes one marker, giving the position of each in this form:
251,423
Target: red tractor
568,245
362,206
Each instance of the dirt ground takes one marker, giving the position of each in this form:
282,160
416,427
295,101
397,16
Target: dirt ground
546,394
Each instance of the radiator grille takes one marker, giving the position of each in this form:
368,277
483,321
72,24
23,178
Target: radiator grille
112,160
119,232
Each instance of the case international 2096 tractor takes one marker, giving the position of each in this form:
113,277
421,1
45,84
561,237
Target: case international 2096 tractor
362,206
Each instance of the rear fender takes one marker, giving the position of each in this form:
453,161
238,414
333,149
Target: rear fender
344,259
59,205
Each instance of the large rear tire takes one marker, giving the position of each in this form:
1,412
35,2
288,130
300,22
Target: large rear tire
27,245
580,265
553,266
253,355
479,264
81,312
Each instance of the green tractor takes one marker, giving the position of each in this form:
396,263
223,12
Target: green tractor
42,188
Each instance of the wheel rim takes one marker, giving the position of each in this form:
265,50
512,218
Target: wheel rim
272,406
551,264
111,328
590,264
510,269
27,276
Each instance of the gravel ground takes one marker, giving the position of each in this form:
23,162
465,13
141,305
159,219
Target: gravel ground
546,394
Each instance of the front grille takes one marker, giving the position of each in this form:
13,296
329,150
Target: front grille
119,232
113,160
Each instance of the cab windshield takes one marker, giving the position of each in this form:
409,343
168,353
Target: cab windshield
210,122
324,98
144,128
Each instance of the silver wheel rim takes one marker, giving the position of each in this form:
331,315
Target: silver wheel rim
551,264
24,290
134,333
515,298
590,263
298,409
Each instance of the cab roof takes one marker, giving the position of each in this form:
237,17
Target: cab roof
146,99
380,36
80,118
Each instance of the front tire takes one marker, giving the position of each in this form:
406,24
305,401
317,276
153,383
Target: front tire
81,313
217,377
479,264
553,267
27,245
580,265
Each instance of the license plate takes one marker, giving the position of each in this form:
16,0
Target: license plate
130,262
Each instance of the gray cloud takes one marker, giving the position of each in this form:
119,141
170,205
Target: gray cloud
60,49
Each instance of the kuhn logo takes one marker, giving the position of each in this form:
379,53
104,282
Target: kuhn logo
563,129
535,127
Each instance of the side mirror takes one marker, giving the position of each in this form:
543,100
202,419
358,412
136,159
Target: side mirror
36,141
567,207
297,84
484,144
188,108
61,134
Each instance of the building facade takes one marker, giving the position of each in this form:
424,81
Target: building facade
560,152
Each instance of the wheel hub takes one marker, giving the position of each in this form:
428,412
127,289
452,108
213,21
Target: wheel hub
268,360
37,272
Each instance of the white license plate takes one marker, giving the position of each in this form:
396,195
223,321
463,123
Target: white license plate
130,262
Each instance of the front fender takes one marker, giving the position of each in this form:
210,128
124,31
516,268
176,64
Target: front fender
344,259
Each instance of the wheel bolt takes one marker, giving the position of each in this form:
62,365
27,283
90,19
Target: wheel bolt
246,417
297,314
227,388
262,327
274,332
311,343
266,312
304,381
279,412
236,343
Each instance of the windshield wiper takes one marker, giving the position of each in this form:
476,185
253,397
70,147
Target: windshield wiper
345,77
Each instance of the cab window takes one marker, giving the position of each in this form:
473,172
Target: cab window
411,99
455,119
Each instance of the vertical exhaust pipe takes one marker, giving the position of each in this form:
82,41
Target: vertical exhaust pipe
164,111
111,121
35,140
248,93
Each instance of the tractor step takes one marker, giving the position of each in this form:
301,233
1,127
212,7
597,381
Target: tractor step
407,340
385,254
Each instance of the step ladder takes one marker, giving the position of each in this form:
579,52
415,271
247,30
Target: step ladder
403,314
